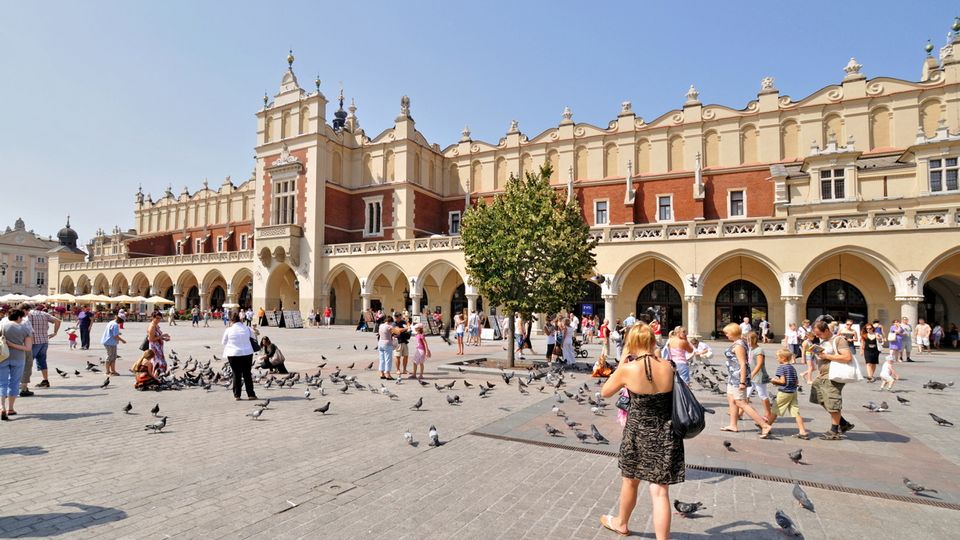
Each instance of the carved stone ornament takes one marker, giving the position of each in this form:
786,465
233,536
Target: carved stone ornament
405,106
286,158
514,127
766,83
693,96
626,107
793,281
567,113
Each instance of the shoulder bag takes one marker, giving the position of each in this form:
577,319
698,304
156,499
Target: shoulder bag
688,414
841,372
253,342
277,357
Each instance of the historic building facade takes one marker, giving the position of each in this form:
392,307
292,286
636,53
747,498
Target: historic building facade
23,260
844,202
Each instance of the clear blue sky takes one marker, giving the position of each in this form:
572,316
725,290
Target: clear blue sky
102,96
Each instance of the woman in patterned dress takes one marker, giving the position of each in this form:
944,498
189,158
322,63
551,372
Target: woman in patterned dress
156,337
650,451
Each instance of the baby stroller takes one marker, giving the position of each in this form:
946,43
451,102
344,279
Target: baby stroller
579,349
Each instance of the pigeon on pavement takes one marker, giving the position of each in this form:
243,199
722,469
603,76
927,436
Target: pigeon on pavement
552,431
786,524
902,400
157,426
105,383
597,435
729,446
686,509
418,404
323,409
155,410
407,436
940,421
796,455
434,436
801,496
127,408
256,413
916,488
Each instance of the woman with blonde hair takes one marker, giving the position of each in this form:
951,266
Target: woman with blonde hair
679,347
649,451
738,381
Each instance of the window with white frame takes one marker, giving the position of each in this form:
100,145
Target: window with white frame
18,258
601,212
243,241
179,247
41,260
664,207
373,217
832,184
219,244
198,246
41,278
284,201
737,203
453,222
18,277
943,175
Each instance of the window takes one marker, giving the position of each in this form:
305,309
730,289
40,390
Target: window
41,279
831,184
737,204
18,258
219,244
664,207
18,276
41,260
284,201
243,241
943,174
454,224
198,246
373,218
179,247
601,216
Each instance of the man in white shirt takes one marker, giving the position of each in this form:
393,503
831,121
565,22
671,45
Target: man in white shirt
793,339
764,330
745,326
574,321
473,328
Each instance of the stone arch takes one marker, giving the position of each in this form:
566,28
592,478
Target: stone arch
286,124
748,144
189,287
212,277
101,285
281,289
939,283
500,168
526,165
581,157
389,284
765,261
439,281
675,156
859,268
833,123
67,285
931,111
163,286
83,285
242,278
880,127
343,285
711,149
211,297
751,272
636,261
476,176
553,157
119,285
643,156
790,140
611,160
887,270
637,273
140,285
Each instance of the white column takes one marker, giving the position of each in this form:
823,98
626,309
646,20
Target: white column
608,300
472,302
178,297
791,311
365,301
909,308
414,305
204,301
693,315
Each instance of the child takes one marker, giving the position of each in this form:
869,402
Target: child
143,369
787,402
72,337
423,351
809,358
887,374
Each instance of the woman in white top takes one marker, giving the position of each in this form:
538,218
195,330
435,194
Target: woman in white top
239,352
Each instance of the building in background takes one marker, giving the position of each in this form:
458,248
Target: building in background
23,260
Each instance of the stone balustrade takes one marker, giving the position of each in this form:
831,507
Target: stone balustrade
166,260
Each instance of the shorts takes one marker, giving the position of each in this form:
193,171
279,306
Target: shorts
923,341
736,393
402,349
827,393
40,355
760,389
787,404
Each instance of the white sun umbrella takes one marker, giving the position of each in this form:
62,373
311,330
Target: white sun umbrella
88,298
42,298
123,299
15,297
64,298
140,299
158,300
231,305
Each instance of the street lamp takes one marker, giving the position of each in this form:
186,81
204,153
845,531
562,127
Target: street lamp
296,284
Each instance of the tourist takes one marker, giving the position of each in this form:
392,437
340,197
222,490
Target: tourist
271,358
566,344
481,325
604,334
848,333
312,318
787,403
122,313
764,330
574,320
871,342
550,332
923,332
588,330
758,374
422,351
738,381
895,340
195,317
791,339
72,337
827,393
804,330
887,374
145,374
809,359
238,350
936,335
657,331
327,316
84,324
907,338
261,317
172,316
157,338
385,334
678,347
745,326
650,451
518,337
458,329
19,338
206,318
701,351
40,322
527,333
402,350
109,340
618,334
953,336
629,321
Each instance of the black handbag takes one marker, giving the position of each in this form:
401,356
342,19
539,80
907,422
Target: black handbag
254,344
145,345
688,414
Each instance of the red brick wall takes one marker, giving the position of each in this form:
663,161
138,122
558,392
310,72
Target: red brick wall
429,216
166,244
759,192
346,210
301,212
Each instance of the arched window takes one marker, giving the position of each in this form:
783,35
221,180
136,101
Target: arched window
789,140
526,165
193,297
554,158
711,147
739,299
453,179
839,300
476,176
610,160
580,167
676,153
748,145
833,124
501,173
217,297
662,301
930,117
879,128
643,156
416,169
432,174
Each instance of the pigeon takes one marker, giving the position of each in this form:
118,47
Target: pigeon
729,446
902,400
450,385
76,372
883,407
597,435
207,346
490,385
434,436
90,365
407,436
483,391
552,431
438,387
127,408
796,455
786,524
581,435
466,384
256,413
264,404
940,421
369,366
687,509
597,411
934,385
916,488
155,410
157,426
105,383
871,406
523,390
460,369
62,373
306,394
418,404
354,347
450,399
351,365
323,409
801,496
570,422
423,383
557,411
345,388
366,347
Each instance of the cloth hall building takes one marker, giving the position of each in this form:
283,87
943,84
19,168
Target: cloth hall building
844,201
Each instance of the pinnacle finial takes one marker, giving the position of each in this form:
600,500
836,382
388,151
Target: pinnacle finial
265,98
956,24
290,59
317,82
68,221
928,47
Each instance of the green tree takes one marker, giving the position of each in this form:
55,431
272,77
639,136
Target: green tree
528,249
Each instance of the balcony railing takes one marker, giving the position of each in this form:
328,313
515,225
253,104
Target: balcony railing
279,231
730,228
165,260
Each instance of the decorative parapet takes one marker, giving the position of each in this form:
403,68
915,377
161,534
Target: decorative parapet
166,260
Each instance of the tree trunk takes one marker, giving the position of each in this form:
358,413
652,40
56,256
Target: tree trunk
510,340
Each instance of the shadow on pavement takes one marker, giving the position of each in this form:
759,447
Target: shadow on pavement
58,523
880,436
63,416
23,451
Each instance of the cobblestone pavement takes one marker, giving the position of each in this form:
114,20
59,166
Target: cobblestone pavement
74,465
